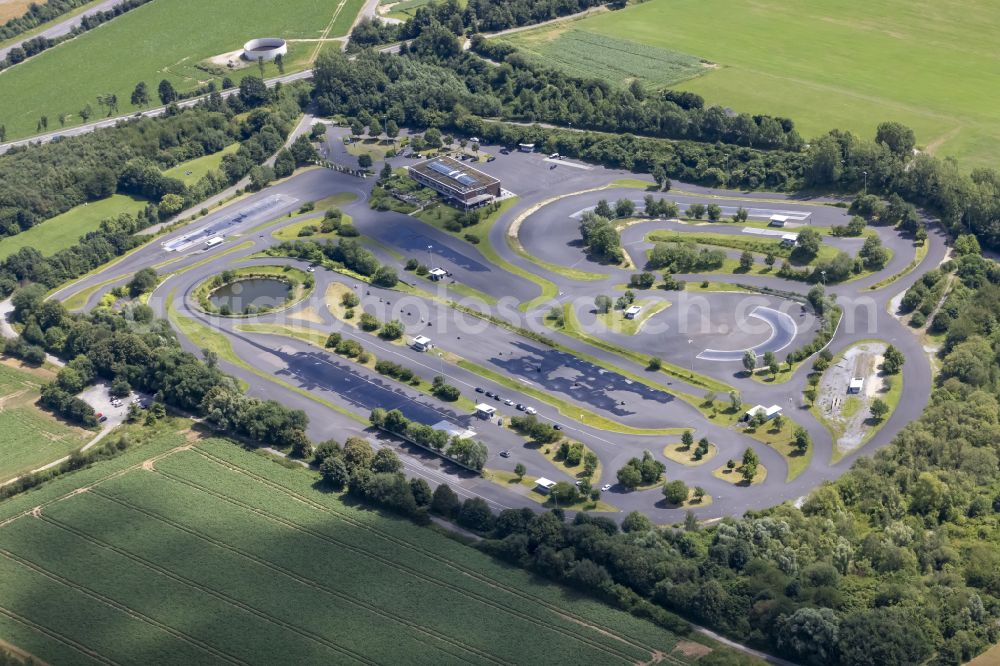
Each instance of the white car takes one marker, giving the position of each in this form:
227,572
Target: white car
606,487
508,402
530,410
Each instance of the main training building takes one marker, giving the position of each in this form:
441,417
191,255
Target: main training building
462,184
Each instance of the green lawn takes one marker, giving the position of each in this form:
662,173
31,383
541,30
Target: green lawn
185,549
835,63
62,231
192,171
30,437
159,40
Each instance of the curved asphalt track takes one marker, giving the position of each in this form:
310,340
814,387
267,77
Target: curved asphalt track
313,379
783,331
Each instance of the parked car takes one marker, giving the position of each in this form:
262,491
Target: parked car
102,419
496,396
508,402
479,389
491,158
489,394
556,426
505,453
606,487
519,407
530,410
504,151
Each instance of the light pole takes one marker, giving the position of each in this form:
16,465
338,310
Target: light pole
866,181
691,355
822,275
429,247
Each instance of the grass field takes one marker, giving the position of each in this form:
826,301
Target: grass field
159,40
826,64
189,550
593,54
192,171
30,437
62,231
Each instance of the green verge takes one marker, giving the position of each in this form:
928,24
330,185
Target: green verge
616,322
206,338
919,255
506,479
482,229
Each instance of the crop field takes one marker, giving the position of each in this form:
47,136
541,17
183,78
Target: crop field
62,231
196,551
832,64
170,40
30,437
592,54
11,8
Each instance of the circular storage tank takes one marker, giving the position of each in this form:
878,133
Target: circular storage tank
267,48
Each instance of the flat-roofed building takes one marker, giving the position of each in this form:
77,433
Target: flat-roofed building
462,184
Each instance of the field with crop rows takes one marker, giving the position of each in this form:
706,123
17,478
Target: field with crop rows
594,55
208,553
30,437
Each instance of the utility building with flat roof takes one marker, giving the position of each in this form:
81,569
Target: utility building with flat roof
462,184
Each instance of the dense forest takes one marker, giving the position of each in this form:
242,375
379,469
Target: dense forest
38,182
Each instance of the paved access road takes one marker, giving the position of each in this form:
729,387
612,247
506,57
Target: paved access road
331,389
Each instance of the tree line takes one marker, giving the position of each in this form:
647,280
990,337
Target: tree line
476,16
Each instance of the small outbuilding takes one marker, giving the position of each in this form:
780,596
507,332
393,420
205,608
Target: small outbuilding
421,343
485,411
632,311
544,486
857,383
437,273
768,412
789,240
778,221
526,147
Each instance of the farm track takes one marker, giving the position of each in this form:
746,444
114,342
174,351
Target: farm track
222,596
60,638
400,566
533,599
273,567
123,608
